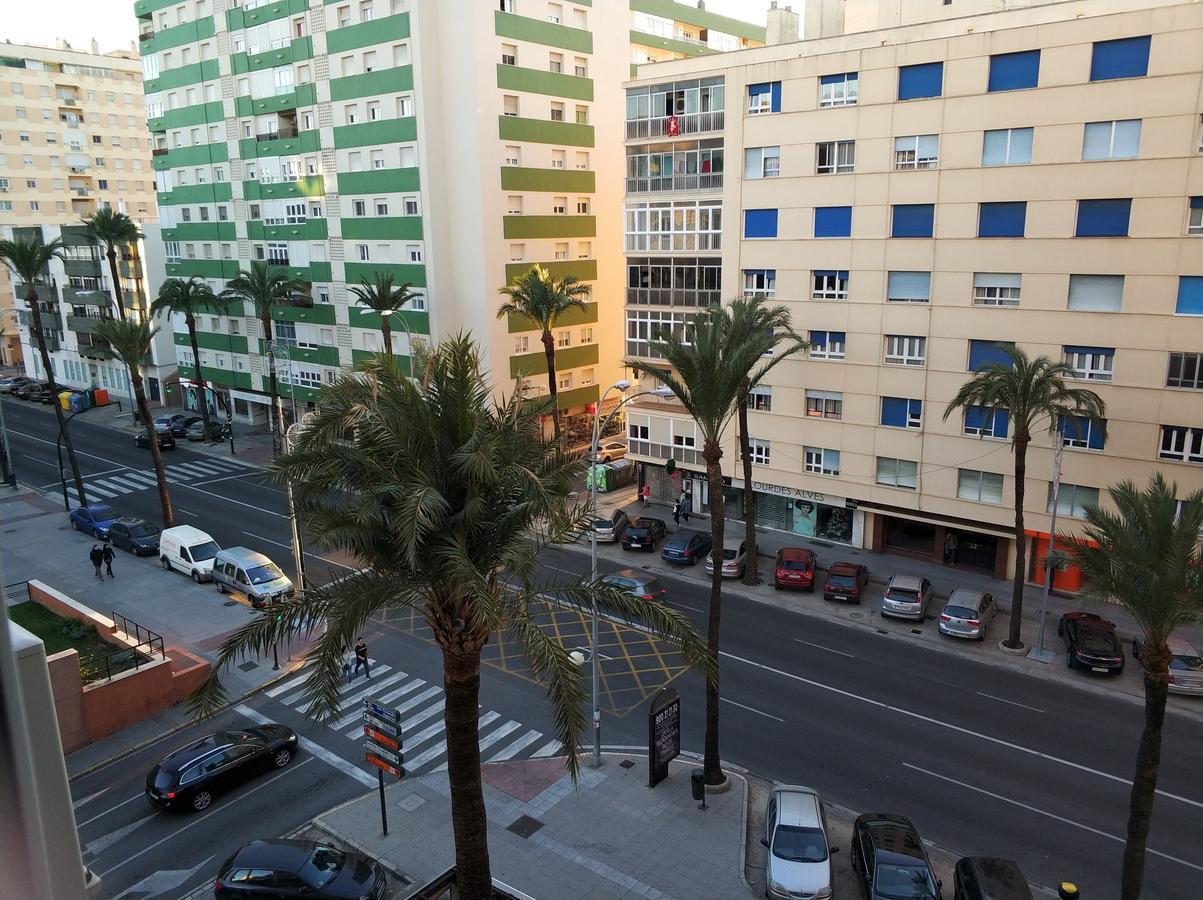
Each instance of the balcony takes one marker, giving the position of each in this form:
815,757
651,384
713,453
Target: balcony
145,36
78,170
700,181
86,324
68,101
673,297
280,134
686,455
96,350
686,123
159,151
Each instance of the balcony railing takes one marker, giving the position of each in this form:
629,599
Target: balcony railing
277,135
701,181
665,451
687,123
674,242
146,36
68,101
672,297
85,324
159,151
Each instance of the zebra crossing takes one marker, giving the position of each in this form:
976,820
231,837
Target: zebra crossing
421,707
129,481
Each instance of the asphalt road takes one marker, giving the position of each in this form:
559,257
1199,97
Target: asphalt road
983,759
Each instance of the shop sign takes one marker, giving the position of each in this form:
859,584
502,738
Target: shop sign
250,397
781,490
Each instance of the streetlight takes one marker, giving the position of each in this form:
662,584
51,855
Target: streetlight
1038,652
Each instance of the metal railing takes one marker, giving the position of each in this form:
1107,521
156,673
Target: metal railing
665,451
701,181
277,135
148,648
673,297
687,123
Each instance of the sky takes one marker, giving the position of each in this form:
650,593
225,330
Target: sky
112,22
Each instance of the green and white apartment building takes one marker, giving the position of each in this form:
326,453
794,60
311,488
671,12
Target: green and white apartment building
452,143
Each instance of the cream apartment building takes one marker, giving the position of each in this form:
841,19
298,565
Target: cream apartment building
916,195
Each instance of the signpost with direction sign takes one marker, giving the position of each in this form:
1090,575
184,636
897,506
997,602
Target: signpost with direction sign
382,744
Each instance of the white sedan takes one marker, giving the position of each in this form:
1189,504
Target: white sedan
795,833
608,451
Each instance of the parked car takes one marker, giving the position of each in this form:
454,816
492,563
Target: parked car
12,382
220,430
189,550
795,833
686,546
41,393
138,536
906,597
181,424
23,390
845,582
191,777
250,575
95,519
989,878
795,568
283,868
734,553
1091,643
1186,665
608,451
610,530
637,584
643,534
165,438
889,859
165,421
967,614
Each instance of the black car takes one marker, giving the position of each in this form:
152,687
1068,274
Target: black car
1091,643
25,388
220,431
643,534
10,384
686,546
181,424
989,878
166,439
282,868
889,859
39,392
135,535
193,775
166,421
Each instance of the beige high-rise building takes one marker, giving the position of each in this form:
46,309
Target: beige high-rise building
916,195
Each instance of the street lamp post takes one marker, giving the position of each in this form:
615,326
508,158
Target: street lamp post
1038,652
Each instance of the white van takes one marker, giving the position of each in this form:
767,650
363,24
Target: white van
188,550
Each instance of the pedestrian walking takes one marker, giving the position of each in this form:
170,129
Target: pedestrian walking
348,661
361,659
677,512
97,557
950,548
645,494
686,507
107,555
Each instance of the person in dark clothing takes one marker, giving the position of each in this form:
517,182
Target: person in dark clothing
361,659
686,507
107,555
97,557
677,512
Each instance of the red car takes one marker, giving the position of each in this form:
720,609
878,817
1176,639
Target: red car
845,582
795,569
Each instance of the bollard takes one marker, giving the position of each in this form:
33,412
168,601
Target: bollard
1067,890
698,784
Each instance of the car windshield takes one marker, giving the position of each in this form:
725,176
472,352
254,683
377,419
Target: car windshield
728,553
103,513
163,779
835,579
904,881
602,523
1185,663
904,595
204,551
794,565
799,844
143,529
264,574
960,612
637,530
321,867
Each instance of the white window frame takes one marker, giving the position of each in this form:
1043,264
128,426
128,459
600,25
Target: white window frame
760,283
1092,366
760,451
827,284
840,93
997,294
909,154
972,485
824,404
821,461
1181,443
841,157
906,350
899,476
827,352
760,398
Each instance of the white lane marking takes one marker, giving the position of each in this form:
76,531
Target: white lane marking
260,537
290,683
435,709
293,698
93,488
226,499
507,752
102,843
1062,819
314,748
551,748
438,749
88,799
374,685
1005,700
125,483
356,716
424,735
109,810
508,728
236,475
78,452
188,470
684,606
206,468
159,882
821,647
753,709
107,872
187,512
957,728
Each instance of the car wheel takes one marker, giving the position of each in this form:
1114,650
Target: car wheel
201,800
221,588
282,757
776,586
166,564
75,525
1070,663
196,576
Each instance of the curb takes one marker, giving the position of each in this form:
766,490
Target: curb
359,848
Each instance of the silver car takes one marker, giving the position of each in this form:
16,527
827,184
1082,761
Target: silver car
1186,666
795,833
968,614
610,530
734,554
906,597
609,451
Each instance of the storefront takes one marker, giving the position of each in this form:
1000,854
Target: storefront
810,514
250,408
191,398
1065,581
953,542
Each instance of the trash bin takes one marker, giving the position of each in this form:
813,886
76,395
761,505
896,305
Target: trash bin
64,399
697,784
79,402
98,396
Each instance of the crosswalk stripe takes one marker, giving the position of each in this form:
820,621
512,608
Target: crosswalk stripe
114,484
290,700
356,716
129,483
438,749
418,718
209,468
287,685
507,728
421,698
551,748
187,469
93,488
512,750
422,737
356,700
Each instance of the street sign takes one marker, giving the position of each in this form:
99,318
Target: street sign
383,753
382,746
386,767
663,734
387,713
382,740
389,727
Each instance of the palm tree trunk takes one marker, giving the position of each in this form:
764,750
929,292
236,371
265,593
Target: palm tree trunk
190,321
712,453
386,332
117,294
1148,761
155,453
32,299
1014,638
549,350
751,566
461,682
273,417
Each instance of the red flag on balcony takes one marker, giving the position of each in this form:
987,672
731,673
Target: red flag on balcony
674,127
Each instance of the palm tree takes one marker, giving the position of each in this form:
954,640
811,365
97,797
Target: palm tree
264,288
131,342
446,500
754,317
113,229
1034,393
187,298
1145,556
543,298
382,297
28,259
707,364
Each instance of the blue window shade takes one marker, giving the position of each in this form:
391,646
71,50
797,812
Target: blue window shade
1196,202
836,79
1001,219
1190,295
1103,218
822,340
772,88
775,103
833,221
900,412
1123,58
1014,71
915,220
760,223
1099,351
1079,430
924,80
996,425
983,353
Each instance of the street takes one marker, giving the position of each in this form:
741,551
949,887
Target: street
984,760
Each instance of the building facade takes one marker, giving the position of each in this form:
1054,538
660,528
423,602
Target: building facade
917,196
665,29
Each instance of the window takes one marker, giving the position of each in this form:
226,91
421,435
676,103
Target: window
821,461
833,221
923,80
901,473
1194,220
1082,433
760,282
638,432
912,220
584,250
559,205
555,63
764,98
986,353
759,451
762,162
981,487
1007,147
1103,218
906,350
580,67
825,404
509,55
557,159
1014,71
517,252
760,223
1096,293
185,214
513,156
582,206
513,206
557,111
555,13
1122,58
509,105
409,206
916,151
363,252
1181,443
908,287
380,204
760,398
901,412
835,157
561,250
1190,296
838,90
827,344
1186,371
1001,219
1091,363
1072,499
684,440
582,159
564,338
586,335
359,208
1111,140
829,284
413,253
522,344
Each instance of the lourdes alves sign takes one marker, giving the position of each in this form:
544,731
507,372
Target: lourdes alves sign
807,513
663,734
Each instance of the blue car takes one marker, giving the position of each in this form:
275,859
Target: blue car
685,547
95,519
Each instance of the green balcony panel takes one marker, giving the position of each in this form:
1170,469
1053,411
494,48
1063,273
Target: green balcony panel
703,18
300,49
568,358
379,181
537,31
583,269
177,35
217,192
301,95
203,268
384,228
209,340
322,356
317,314
308,186
642,39
365,34
362,356
373,134
310,230
181,76
577,397
369,84
182,157
587,316
304,142
539,81
414,273
219,377
567,181
320,271
144,8
201,231
544,131
515,227
417,321
238,18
